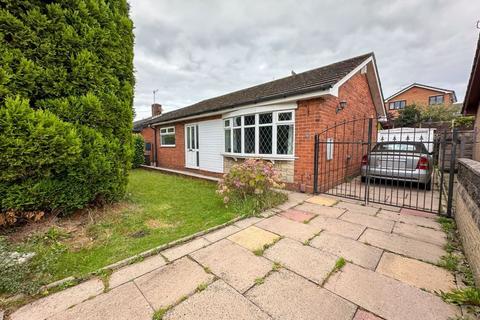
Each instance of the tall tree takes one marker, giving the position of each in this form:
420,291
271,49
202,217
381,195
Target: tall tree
66,95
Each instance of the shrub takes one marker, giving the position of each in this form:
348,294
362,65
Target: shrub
66,90
439,112
248,186
138,154
408,116
464,122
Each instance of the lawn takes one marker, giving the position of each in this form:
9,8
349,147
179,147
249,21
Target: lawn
158,208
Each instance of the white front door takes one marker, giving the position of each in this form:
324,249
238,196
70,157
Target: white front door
191,146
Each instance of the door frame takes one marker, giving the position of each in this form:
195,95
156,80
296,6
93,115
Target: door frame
196,149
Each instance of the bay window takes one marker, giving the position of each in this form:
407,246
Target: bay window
270,133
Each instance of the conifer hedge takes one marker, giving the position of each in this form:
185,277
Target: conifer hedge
66,95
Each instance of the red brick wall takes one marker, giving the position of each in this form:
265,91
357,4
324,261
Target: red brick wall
148,134
174,157
313,116
418,96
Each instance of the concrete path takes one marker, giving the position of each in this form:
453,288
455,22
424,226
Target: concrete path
280,266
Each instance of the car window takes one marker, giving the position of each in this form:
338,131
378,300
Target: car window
399,147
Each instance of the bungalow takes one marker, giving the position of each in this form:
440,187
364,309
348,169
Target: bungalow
275,121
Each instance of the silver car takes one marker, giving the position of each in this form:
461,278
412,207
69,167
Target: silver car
404,161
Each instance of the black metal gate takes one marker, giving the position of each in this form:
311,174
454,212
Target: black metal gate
349,162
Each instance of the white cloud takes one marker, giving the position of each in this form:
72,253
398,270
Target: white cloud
194,50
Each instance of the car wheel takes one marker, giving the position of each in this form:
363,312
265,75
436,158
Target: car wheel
363,179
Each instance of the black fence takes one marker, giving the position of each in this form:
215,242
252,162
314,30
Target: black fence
404,167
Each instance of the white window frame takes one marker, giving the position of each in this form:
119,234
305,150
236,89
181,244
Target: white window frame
436,97
275,122
167,131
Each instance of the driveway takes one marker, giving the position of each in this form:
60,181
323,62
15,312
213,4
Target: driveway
283,265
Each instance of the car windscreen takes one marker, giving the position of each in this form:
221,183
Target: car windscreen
400,147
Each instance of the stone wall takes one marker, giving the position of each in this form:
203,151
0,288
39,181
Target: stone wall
467,211
286,168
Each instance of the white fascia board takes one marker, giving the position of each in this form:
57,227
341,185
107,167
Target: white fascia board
335,88
261,109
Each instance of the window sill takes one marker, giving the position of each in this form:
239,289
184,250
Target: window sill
168,146
270,157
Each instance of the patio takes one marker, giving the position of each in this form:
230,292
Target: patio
283,265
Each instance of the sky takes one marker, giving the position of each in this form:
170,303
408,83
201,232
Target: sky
195,50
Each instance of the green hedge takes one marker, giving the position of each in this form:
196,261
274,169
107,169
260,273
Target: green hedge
138,150
66,94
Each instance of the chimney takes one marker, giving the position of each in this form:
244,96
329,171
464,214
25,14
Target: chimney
156,109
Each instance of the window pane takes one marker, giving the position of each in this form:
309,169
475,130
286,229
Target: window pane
227,123
163,130
249,140
265,118
189,138
228,142
402,104
265,139
440,99
237,121
284,116
392,105
168,140
237,140
249,120
285,139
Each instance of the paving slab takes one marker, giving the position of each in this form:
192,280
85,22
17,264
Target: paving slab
220,302
245,223
324,201
420,233
234,264
298,196
254,238
304,260
297,215
317,209
368,221
419,221
418,213
167,285
184,249
288,228
403,245
357,208
287,205
221,233
386,297
354,251
416,273
122,303
343,228
135,270
285,295
60,301
365,315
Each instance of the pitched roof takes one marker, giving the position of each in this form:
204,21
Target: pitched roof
425,87
472,97
313,80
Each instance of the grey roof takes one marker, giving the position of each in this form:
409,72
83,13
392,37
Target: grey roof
313,80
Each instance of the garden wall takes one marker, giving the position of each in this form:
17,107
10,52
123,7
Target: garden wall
467,212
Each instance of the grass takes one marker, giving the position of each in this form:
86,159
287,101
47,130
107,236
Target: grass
467,296
158,209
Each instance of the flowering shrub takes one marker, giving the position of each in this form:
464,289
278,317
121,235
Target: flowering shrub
250,178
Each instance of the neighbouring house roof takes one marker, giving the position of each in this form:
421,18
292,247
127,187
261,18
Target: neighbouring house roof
472,97
318,79
139,124
419,85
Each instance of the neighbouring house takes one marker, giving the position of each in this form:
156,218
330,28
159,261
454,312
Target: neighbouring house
419,94
275,121
467,213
